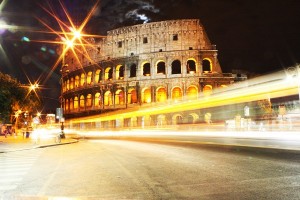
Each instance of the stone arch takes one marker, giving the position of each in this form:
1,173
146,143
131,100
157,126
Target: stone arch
119,97
77,80
191,66
146,69
67,105
192,92
146,95
161,67
82,79
97,100
133,70
161,94
97,77
68,84
72,83
192,118
176,93
147,120
207,90
120,72
206,65
76,103
161,120
89,77
71,104
176,67
108,101
177,119
89,101
81,101
207,118
108,73
132,96
134,121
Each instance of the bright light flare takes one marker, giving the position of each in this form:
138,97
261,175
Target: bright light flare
69,44
72,37
3,26
45,133
76,33
34,86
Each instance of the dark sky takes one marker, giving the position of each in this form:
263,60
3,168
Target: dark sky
259,36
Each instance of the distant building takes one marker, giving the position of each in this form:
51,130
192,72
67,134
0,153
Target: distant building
139,65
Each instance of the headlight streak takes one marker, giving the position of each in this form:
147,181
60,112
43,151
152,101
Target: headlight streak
265,87
285,140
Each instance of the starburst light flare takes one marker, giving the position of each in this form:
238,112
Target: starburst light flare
72,38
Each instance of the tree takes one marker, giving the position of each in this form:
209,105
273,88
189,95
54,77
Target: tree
14,96
265,109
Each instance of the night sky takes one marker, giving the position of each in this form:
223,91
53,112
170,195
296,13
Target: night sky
259,36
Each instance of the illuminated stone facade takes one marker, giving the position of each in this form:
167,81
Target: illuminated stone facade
141,65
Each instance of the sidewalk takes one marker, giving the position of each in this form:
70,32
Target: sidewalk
18,143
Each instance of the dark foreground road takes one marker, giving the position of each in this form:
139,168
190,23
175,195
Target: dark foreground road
118,169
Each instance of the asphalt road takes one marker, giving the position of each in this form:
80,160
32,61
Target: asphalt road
120,169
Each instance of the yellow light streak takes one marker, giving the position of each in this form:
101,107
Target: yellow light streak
264,87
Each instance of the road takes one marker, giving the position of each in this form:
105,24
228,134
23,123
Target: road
122,169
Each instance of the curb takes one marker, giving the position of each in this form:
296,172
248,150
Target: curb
40,146
57,144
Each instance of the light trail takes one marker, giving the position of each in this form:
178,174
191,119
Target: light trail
264,87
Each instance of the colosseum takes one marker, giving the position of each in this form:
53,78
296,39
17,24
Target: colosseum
141,65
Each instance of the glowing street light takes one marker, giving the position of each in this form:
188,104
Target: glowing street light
33,86
76,33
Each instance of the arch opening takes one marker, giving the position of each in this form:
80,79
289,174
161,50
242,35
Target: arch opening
161,67
133,70
161,94
206,66
176,67
176,93
146,95
146,69
191,66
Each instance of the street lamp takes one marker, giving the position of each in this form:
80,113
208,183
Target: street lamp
32,87
68,43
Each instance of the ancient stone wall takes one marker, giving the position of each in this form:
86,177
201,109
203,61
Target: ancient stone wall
141,64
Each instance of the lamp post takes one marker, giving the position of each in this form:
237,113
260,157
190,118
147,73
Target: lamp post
64,70
17,115
68,42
